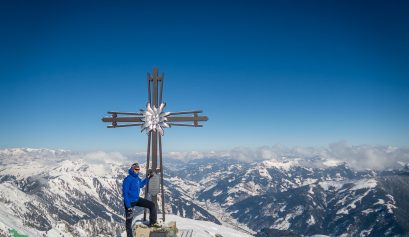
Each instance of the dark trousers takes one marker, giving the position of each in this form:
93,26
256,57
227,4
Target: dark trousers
142,202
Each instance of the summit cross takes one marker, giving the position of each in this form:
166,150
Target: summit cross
153,120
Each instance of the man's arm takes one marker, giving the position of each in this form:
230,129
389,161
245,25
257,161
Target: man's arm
125,189
144,182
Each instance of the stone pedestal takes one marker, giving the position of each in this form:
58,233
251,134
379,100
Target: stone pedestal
168,230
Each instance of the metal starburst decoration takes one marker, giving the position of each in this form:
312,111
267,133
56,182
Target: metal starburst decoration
155,119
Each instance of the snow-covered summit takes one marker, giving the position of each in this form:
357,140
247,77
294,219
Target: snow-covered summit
280,164
201,228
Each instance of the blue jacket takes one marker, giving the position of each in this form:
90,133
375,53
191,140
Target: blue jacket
131,187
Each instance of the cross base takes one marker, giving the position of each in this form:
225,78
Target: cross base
168,230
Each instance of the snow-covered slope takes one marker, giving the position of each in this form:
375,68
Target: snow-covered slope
302,195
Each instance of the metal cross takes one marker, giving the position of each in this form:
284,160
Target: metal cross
153,121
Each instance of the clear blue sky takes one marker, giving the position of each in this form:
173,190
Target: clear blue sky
265,72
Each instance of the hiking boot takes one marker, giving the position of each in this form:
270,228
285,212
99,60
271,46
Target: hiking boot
155,225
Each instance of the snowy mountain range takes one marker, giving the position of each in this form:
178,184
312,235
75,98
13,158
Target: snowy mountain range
61,193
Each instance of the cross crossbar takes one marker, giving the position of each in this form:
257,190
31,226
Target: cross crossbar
138,119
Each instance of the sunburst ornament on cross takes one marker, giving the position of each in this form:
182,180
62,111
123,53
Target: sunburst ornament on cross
153,120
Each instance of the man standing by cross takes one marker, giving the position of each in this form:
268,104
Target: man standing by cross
130,191
153,121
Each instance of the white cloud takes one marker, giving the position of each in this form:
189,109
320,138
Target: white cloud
188,155
357,156
103,157
243,154
266,153
366,156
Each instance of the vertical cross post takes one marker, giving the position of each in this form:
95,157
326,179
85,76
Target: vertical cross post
153,93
